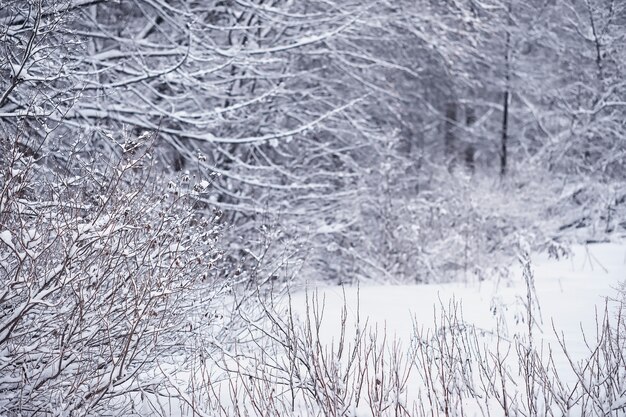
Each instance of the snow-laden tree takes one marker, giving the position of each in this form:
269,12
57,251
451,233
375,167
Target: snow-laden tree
590,90
248,91
313,119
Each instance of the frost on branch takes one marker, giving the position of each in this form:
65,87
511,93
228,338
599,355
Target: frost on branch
96,269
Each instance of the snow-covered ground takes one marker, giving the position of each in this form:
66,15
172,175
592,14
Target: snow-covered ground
571,293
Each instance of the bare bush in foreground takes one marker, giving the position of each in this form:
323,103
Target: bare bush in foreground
98,259
298,366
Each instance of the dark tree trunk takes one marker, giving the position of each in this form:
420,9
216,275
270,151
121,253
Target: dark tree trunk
505,107
450,134
470,150
505,137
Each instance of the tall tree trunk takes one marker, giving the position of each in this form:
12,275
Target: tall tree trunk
470,150
450,134
505,136
596,42
505,107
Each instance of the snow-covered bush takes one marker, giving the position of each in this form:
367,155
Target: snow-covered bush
105,274
455,227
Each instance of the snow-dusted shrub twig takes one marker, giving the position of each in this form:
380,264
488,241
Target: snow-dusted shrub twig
103,267
297,365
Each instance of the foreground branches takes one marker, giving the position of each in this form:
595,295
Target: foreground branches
96,270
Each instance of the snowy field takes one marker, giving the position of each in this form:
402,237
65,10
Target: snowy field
570,293
567,304
459,349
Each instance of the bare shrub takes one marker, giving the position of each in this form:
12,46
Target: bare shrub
297,365
105,272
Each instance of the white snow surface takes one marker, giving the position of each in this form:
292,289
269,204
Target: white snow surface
571,293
